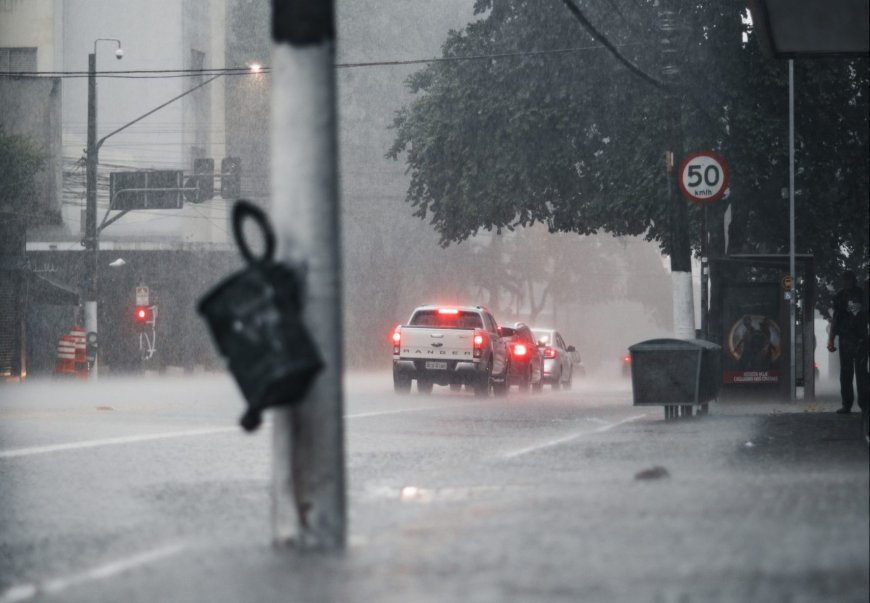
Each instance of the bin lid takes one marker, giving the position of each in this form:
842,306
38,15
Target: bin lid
674,345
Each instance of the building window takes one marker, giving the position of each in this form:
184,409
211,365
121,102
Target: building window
17,60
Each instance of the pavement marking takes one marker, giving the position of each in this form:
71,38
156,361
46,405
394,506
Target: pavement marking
18,452
25,592
379,413
551,443
598,421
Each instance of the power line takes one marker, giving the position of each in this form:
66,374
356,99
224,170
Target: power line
203,71
478,57
578,14
171,73
658,84
142,73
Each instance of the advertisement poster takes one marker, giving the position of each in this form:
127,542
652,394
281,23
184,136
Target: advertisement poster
752,336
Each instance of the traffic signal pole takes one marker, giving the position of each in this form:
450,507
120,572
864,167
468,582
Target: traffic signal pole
308,493
91,241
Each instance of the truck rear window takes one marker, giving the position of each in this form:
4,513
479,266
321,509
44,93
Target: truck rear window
435,320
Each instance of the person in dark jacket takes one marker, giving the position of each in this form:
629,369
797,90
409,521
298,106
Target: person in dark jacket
850,325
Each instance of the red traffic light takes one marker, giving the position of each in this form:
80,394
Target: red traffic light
142,314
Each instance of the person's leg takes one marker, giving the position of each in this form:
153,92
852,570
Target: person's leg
861,377
847,372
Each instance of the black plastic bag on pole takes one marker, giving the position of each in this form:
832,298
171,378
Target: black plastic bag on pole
255,318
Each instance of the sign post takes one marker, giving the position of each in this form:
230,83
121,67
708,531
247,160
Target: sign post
703,179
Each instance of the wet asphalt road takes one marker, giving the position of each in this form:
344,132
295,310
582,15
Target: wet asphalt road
145,491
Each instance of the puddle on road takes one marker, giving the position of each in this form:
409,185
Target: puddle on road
417,494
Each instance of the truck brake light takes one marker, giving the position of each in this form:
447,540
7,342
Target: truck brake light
520,350
478,340
397,341
451,311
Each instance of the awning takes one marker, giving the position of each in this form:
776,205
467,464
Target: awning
44,291
809,28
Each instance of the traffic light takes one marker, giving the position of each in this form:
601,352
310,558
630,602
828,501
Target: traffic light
203,171
231,177
142,315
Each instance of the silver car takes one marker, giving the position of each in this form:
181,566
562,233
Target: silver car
559,358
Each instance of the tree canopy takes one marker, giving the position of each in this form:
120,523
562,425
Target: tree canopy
506,131
20,161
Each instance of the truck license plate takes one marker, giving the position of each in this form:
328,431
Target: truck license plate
437,366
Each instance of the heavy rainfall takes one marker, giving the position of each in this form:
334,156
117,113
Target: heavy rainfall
552,301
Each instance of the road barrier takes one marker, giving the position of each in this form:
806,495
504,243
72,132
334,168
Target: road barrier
71,358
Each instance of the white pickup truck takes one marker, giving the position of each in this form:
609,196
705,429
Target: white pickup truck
452,346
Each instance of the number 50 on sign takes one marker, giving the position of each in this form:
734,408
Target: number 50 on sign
703,177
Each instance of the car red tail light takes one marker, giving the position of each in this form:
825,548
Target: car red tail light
549,353
478,339
626,359
520,350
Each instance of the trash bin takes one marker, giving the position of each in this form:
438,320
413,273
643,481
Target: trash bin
675,373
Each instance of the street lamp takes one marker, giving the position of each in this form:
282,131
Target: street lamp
91,242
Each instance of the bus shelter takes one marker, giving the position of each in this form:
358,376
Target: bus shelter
749,318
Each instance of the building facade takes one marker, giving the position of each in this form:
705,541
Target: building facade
169,47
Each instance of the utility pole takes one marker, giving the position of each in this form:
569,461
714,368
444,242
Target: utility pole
91,251
91,241
308,496
680,248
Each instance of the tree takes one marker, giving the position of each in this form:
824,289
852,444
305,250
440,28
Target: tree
575,141
20,162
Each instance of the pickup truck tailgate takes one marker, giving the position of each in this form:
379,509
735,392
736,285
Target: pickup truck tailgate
441,344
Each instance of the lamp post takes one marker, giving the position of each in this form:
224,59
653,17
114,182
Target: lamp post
91,241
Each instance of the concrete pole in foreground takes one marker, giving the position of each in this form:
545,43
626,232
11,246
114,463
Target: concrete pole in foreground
308,498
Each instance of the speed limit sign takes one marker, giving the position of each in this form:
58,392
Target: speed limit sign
703,177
